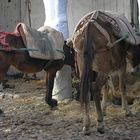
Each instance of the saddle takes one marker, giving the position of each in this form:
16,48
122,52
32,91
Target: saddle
48,41
45,43
119,23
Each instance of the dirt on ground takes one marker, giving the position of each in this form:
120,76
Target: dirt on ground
25,116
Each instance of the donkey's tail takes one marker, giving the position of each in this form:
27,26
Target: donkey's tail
86,77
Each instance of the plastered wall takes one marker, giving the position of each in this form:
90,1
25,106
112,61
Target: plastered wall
16,10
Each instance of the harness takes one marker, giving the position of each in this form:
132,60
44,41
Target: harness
120,27
107,36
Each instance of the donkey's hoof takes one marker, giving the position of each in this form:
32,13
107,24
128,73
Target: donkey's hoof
52,103
100,128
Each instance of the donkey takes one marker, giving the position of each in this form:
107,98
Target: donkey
96,61
23,62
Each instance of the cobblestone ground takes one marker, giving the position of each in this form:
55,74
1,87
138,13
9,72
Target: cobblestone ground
27,117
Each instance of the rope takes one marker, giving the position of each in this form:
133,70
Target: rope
8,49
137,33
29,11
126,35
27,7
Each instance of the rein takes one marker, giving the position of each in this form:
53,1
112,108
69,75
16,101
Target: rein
8,49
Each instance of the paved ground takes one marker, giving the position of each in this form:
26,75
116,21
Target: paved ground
27,117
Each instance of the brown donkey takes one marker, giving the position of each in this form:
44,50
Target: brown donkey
96,61
23,62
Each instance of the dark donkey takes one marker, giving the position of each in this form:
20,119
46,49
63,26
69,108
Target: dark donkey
23,62
96,61
133,55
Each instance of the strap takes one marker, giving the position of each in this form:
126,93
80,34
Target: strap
104,32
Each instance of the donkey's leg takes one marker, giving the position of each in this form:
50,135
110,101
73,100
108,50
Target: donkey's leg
85,105
1,87
105,98
3,71
122,88
86,117
100,81
107,94
50,75
97,92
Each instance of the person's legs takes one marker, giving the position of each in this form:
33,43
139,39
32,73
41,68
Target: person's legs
63,84
56,17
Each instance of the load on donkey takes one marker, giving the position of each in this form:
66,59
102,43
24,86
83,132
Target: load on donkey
101,40
32,51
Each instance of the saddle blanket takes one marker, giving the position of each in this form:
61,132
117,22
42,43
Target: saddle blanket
47,41
120,24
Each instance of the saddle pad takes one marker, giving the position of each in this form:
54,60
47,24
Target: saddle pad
120,26
47,41
119,23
